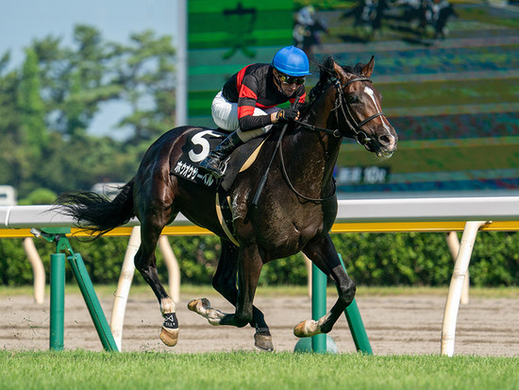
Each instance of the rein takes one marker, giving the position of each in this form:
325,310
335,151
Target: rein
291,186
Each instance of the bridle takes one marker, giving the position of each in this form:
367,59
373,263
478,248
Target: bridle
348,113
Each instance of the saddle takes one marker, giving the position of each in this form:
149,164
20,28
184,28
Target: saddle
198,145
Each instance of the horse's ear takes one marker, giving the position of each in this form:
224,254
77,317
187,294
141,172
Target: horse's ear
339,71
368,69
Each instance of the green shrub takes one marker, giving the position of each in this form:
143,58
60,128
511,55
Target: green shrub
39,196
418,259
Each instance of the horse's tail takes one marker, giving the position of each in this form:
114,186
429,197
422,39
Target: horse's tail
95,213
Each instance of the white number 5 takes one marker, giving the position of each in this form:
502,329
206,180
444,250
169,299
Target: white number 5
199,139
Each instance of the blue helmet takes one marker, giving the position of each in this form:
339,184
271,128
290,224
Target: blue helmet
291,61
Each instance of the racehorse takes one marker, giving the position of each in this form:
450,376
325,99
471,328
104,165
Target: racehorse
295,212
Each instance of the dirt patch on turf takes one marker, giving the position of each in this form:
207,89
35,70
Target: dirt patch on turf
395,325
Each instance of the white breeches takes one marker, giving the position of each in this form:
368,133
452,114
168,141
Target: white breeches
225,115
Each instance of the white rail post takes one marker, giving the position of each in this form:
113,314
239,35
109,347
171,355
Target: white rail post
123,287
37,269
458,277
454,247
173,268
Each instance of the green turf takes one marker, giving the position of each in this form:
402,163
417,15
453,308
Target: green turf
101,370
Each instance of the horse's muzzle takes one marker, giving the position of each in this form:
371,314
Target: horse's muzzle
383,144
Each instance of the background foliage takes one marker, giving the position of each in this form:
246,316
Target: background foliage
417,259
49,102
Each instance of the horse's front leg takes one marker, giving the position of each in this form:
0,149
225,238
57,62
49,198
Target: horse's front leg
224,282
323,254
249,266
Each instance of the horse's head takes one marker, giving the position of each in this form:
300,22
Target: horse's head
358,110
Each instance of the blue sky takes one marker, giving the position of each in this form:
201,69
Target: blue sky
23,20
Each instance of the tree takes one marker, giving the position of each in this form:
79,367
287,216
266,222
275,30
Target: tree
145,70
47,105
8,87
89,84
31,107
9,124
76,80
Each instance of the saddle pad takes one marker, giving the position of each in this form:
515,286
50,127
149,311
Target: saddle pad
198,145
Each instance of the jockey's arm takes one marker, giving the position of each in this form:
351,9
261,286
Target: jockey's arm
248,121
247,103
251,122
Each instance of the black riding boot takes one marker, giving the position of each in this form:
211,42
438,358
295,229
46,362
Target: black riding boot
213,161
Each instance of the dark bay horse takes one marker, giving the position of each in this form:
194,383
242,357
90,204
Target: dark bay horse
297,208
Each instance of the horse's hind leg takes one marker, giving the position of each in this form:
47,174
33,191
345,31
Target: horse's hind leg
151,227
224,281
323,254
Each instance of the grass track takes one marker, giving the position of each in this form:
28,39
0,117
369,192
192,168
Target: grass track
101,370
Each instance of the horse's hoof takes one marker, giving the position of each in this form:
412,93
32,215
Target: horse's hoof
306,328
192,304
299,330
197,303
263,341
169,336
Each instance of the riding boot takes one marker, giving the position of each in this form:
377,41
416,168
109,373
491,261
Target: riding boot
213,161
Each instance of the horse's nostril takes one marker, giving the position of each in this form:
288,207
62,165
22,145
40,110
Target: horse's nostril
384,140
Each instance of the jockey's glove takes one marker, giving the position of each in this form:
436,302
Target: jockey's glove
287,114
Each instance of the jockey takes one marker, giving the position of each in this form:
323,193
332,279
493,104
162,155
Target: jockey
247,104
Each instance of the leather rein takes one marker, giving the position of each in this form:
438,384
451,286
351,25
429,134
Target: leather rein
350,119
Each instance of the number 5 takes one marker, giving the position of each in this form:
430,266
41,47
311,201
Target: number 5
198,139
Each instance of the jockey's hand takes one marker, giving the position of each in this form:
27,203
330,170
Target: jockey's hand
287,114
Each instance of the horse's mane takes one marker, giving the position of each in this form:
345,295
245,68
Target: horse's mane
327,76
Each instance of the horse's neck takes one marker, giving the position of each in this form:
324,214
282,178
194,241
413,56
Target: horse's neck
313,153
318,150
322,114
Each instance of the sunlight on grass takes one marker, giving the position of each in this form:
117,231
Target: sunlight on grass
245,370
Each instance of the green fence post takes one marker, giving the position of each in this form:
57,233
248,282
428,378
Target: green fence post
57,300
57,288
357,329
92,302
318,306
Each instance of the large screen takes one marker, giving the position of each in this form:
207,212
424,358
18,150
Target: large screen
448,73
451,91
223,37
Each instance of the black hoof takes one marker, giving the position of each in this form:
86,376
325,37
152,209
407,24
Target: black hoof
263,340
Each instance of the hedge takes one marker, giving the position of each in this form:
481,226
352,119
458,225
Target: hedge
418,259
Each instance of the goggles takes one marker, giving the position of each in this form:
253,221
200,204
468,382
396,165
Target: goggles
290,79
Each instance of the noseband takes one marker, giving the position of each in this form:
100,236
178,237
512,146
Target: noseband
349,112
